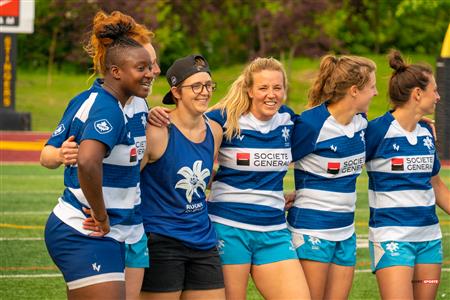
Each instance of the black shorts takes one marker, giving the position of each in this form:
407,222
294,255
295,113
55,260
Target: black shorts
175,267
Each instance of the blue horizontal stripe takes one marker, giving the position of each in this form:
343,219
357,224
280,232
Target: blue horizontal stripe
306,180
304,218
266,181
388,182
255,139
344,146
116,216
403,216
247,213
113,176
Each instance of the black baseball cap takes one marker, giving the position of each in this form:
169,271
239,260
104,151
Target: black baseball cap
181,69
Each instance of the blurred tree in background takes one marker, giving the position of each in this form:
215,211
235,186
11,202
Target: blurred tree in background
234,31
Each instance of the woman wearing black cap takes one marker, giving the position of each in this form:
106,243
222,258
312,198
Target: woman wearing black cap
177,166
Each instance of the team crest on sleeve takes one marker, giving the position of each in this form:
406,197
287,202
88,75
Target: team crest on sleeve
60,129
102,126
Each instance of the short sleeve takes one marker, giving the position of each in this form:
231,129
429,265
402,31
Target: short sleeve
304,139
218,116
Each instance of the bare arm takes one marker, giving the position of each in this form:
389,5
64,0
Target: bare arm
442,193
157,140
90,175
217,132
159,116
52,157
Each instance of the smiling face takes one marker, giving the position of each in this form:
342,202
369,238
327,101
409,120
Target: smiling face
364,96
266,94
196,102
154,67
136,75
429,97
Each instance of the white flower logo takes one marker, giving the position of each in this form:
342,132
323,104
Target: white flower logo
143,120
392,247
285,133
313,240
193,179
427,142
363,136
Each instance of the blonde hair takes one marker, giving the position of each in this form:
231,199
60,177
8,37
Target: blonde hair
109,31
337,75
237,102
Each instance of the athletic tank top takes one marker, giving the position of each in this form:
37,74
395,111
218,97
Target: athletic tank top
173,191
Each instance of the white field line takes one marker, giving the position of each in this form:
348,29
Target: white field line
18,213
59,275
22,239
36,192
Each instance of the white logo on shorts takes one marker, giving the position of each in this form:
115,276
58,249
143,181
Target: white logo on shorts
393,247
96,267
102,126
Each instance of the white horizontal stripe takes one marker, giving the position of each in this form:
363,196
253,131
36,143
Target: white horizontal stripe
135,106
74,218
332,129
249,122
107,277
222,192
334,234
407,198
316,164
83,112
121,198
261,159
120,156
405,233
259,228
324,200
411,164
396,130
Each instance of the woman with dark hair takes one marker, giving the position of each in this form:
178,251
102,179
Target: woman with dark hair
106,176
404,186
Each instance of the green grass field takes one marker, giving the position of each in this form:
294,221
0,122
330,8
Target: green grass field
29,192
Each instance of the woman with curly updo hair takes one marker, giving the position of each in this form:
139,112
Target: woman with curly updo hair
404,186
104,182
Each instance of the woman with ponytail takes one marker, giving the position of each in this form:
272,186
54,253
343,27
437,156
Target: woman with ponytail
328,148
93,260
246,202
404,186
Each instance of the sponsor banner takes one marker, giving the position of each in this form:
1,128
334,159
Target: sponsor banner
16,16
255,159
335,167
402,164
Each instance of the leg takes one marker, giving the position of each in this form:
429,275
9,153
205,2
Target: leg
236,280
339,282
216,294
133,282
107,290
395,282
160,296
426,280
281,280
316,275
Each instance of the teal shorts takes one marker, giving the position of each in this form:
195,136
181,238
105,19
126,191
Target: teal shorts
136,255
341,253
241,246
393,253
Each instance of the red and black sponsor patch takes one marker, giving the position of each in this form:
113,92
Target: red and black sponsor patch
243,159
397,164
333,167
133,155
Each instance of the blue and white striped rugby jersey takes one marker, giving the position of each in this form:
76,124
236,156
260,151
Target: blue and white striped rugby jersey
97,115
400,165
247,191
328,158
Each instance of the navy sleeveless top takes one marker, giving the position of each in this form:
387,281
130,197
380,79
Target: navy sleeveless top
173,191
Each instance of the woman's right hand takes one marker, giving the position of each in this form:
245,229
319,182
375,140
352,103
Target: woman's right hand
159,116
99,228
68,152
